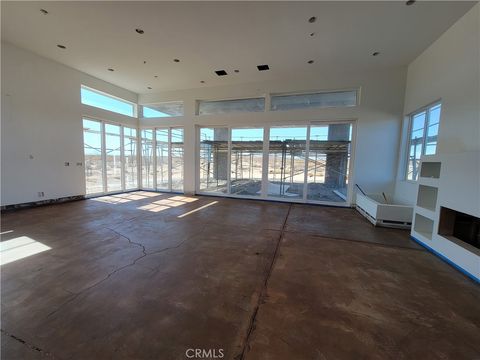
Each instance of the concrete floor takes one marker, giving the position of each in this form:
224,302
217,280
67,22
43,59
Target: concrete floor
148,276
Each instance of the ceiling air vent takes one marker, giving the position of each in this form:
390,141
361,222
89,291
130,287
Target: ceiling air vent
221,72
262,67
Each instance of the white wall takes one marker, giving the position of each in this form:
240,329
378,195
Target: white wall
448,70
378,116
42,118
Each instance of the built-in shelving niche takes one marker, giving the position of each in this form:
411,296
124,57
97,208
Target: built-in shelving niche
430,170
423,226
427,197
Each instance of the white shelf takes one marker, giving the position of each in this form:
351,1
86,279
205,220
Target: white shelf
423,226
427,197
430,169
433,182
430,214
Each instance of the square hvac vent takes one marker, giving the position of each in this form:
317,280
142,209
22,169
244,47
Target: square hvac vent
221,72
262,67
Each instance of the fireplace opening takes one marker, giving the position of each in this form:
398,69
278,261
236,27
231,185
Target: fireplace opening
460,226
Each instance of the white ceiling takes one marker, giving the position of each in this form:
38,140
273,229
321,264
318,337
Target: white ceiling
209,36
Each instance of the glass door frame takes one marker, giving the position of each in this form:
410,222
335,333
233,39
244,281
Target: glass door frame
104,160
265,161
154,159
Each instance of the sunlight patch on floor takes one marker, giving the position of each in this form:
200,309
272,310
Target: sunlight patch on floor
20,248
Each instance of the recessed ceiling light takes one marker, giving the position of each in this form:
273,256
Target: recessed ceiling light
149,88
44,12
61,46
220,72
310,61
376,53
410,2
110,69
263,67
139,31
236,70
176,60
312,19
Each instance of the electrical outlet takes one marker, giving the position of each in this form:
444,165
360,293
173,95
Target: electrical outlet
67,163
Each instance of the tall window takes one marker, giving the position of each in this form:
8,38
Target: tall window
147,158
423,136
110,157
214,159
107,102
113,150
306,163
130,157
286,162
162,159
246,161
92,145
176,151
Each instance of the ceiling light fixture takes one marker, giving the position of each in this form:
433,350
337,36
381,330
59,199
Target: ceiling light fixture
311,61
312,19
410,2
61,46
110,69
176,60
376,53
139,31
44,12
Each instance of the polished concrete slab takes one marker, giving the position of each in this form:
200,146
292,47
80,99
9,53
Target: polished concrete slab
149,276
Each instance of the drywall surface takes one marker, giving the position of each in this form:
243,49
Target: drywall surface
449,70
42,126
378,117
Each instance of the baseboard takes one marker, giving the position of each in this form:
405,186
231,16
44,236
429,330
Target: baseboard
41,203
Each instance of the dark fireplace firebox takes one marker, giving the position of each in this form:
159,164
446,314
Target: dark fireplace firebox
460,226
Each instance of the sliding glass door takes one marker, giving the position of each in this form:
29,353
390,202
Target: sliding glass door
286,162
92,147
110,152
162,159
309,163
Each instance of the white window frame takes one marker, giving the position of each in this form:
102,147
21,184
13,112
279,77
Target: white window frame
266,138
135,106
154,144
104,163
410,116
